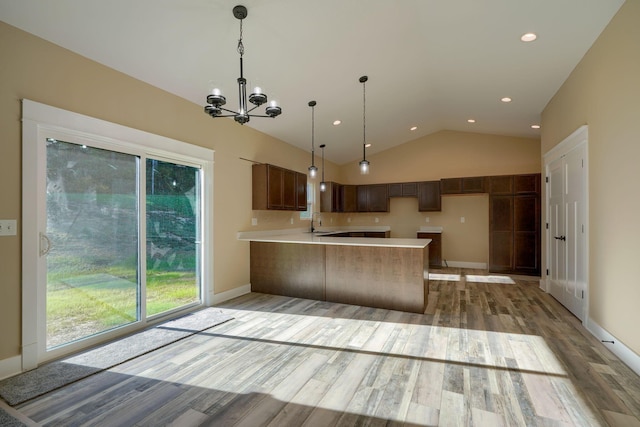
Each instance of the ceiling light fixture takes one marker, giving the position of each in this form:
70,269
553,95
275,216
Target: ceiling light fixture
215,100
506,99
535,126
471,120
364,163
323,185
528,37
336,122
414,128
313,170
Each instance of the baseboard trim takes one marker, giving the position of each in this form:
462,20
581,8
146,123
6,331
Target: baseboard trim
464,264
231,294
624,353
10,367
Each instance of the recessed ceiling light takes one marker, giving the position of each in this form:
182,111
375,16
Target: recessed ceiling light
414,127
367,145
506,99
528,37
471,120
535,126
336,122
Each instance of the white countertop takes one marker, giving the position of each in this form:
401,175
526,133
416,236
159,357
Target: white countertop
294,236
430,229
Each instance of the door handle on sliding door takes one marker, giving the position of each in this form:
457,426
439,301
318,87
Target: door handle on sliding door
44,250
560,238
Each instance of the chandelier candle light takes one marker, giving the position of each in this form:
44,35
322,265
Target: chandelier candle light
216,100
313,170
364,163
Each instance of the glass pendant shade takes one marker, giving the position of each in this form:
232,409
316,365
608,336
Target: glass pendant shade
364,167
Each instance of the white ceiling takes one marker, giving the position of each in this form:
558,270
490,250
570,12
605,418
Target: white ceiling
431,63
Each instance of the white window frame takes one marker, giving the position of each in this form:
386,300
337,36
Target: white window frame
40,121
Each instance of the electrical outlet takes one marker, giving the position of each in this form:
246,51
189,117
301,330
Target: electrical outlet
426,219
377,219
291,220
348,219
254,221
8,227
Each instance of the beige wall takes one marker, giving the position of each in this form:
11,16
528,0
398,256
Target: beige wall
604,92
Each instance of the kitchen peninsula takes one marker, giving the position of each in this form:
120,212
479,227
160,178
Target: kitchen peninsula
387,273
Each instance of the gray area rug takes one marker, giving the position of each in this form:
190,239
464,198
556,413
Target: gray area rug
26,386
7,420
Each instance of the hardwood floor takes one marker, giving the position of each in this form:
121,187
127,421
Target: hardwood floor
483,354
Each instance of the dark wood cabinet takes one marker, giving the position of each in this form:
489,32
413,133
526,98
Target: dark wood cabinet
301,191
403,189
466,185
514,225
435,248
276,188
524,184
429,196
373,198
349,198
289,196
331,198
502,184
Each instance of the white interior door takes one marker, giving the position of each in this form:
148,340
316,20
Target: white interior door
556,219
566,216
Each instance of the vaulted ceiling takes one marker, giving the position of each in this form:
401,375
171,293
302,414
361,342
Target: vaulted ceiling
432,64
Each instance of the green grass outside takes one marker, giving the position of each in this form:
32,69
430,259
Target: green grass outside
89,303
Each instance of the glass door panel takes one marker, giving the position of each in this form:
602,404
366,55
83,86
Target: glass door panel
92,226
173,230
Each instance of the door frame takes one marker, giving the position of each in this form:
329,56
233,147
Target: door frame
577,138
40,119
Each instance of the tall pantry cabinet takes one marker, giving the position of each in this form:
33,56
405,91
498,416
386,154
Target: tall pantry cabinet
514,224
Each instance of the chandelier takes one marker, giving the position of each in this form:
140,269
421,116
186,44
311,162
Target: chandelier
216,100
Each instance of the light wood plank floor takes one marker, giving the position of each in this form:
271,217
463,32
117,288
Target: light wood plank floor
483,354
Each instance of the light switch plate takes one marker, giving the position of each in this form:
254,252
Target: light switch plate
8,227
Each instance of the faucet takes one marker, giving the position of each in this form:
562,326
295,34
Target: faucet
320,221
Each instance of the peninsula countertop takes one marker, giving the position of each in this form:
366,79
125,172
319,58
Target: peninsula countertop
323,237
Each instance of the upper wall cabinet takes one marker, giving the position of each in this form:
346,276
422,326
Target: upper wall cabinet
429,196
373,198
403,189
276,188
331,198
467,185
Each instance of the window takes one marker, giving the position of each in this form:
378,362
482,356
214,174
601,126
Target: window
310,202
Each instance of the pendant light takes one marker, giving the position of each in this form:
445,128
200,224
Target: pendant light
323,185
364,163
313,170
215,100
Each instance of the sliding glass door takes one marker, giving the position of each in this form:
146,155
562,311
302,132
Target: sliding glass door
116,223
95,277
92,233
173,230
